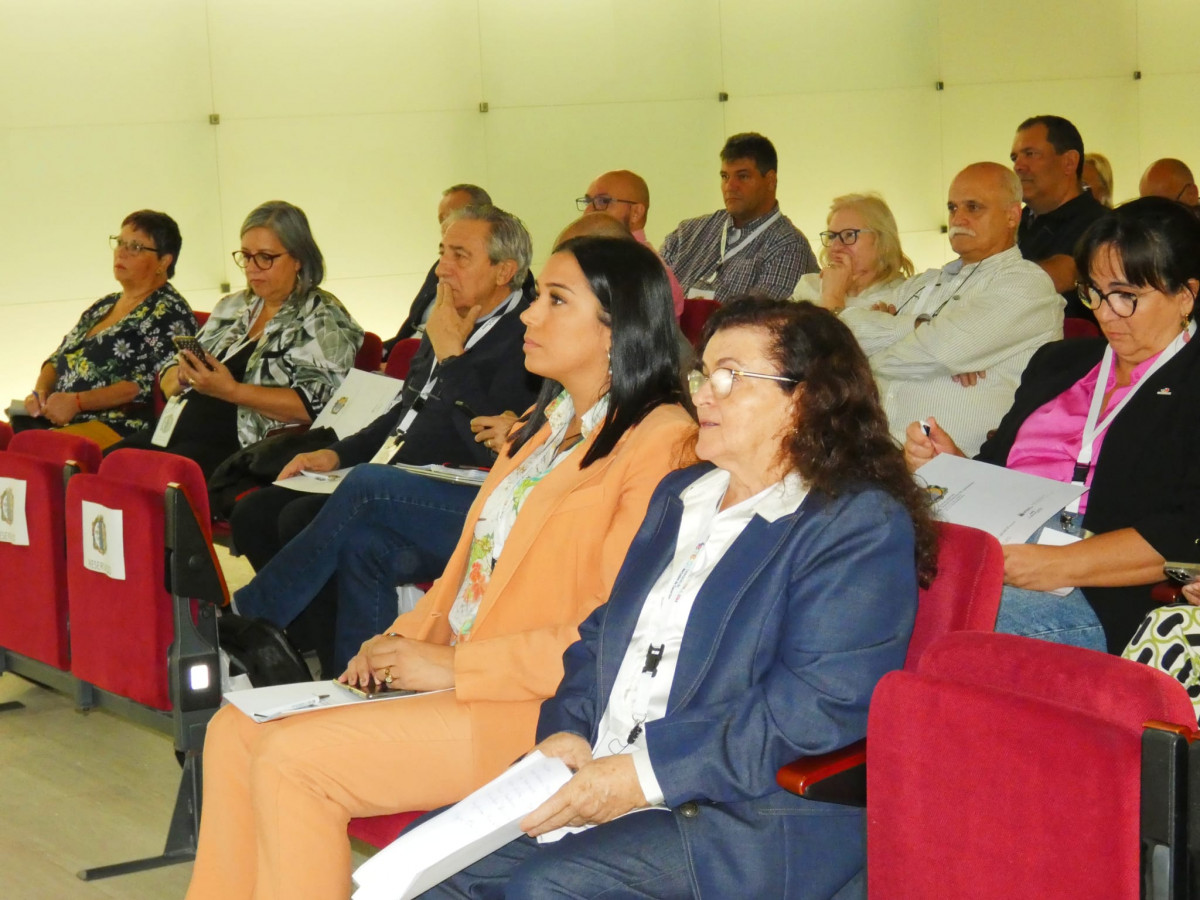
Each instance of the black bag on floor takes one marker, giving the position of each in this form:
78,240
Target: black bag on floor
260,650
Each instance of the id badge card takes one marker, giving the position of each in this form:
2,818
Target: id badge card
698,293
167,421
390,447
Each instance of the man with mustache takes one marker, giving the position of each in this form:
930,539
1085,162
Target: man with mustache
1047,155
953,342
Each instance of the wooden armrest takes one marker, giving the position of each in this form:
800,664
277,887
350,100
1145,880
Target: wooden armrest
836,777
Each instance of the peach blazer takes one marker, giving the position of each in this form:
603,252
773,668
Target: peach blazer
558,564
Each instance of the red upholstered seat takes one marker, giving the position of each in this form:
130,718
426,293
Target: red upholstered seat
1009,767
1079,328
379,831
33,607
201,317
370,355
964,596
695,314
400,359
6,435
121,630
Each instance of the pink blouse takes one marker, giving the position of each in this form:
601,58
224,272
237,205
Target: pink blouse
1048,442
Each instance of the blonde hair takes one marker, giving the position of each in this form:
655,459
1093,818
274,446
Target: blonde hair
1104,170
890,263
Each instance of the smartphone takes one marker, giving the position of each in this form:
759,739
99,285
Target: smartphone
373,689
192,343
1181,572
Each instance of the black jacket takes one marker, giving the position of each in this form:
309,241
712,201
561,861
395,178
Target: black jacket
1147,476
489,378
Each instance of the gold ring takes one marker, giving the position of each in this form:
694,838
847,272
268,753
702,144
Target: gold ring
387,675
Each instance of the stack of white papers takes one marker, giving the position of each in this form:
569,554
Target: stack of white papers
461,835
279,701
1007,504
360,399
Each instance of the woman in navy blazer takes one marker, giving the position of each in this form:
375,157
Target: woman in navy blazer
730,661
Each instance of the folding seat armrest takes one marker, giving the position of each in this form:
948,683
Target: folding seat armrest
836,777
1165,830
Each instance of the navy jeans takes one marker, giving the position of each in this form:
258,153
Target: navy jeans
381,527
639,857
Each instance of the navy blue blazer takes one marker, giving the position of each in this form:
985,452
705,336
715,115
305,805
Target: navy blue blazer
785,643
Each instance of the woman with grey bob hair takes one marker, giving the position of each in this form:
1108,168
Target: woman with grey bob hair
270,355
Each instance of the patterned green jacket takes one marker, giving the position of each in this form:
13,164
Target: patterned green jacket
309,346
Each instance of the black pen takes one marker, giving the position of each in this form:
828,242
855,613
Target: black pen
465,408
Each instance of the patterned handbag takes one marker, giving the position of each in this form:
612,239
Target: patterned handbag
1169,640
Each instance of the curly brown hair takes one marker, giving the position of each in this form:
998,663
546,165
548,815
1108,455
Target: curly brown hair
840,438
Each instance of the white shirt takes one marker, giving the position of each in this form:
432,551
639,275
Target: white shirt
988,316
705,533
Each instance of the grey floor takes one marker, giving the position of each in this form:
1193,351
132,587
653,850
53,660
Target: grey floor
84,789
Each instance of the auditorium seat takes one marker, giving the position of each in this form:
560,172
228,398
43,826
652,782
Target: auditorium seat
400,359
695,314
6,435
370,355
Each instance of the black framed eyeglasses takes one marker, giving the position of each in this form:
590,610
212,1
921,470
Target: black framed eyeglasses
847,236
1122,302
722,380
600,202
262,260
134,247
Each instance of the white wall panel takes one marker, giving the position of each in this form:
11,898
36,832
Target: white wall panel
598,51
1027,42
1167,128
542,159
379,303
31,332
115,62
1166,36
824,151
781,46
67,189
370,185
304,58
980,121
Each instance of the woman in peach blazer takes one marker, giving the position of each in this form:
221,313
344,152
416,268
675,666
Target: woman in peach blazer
540,550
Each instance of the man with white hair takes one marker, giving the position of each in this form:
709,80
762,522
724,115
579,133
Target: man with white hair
953,342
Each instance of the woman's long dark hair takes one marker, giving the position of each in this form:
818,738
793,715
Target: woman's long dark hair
840,437
635,301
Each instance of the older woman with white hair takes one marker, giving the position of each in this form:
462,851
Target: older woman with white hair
272,353
860,254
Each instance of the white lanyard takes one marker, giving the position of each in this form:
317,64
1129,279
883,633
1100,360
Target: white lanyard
1093,428
481,329
741,245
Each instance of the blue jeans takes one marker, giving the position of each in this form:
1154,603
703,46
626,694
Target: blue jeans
1046,616
639,857
381,527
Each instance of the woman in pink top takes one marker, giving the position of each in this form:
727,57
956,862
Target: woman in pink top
1120,414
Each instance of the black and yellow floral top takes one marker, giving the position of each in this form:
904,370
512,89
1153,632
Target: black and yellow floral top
131,350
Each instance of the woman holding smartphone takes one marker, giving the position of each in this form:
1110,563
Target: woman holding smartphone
98,382
274,352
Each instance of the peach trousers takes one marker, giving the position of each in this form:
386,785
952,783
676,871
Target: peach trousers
278,795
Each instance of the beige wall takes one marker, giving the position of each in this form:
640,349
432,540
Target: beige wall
362,110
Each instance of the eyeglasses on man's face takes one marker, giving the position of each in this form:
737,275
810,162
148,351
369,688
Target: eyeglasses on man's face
262,260
599,202
722,380
124,246
847,236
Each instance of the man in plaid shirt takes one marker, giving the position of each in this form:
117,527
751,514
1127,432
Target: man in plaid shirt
749,245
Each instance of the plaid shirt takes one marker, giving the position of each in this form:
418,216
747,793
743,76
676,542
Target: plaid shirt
771,265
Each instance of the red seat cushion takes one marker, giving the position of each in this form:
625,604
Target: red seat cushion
379,831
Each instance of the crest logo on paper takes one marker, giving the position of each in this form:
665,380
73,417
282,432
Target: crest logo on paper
99,535
8,505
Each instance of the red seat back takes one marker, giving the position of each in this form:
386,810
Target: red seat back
1010,767
965,594
370,355
121,629
695,314
379,831
400,359
1079,328
6,434
201,317
33,605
